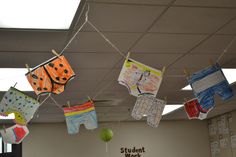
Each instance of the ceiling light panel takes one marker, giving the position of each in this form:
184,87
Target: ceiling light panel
37,14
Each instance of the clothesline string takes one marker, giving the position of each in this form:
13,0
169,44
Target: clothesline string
226,49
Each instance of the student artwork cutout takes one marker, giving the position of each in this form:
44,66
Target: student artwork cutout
51,76
140,78
14,134
22,105
194,110
208,82
80,114
149,106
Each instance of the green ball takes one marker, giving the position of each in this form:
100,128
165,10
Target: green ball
106,134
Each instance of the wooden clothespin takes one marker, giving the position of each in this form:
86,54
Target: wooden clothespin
163,70
4,128
211,63
68,103
165,99
55,53
15,85
186,72
27,66
90,99
127,57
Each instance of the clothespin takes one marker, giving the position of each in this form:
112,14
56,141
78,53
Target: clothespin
68,103
4,128
166,99
27,66
210,62
163,70
55,53
15,85
127,57
186,72
90,99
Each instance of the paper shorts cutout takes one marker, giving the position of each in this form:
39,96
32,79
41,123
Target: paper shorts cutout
14,134
194,110
140,78
51,76
208,82
149,106
23,106
80,114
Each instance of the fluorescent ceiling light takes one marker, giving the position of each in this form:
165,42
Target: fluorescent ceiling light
37,14
10,76
10,116
230,75
171,108
168,109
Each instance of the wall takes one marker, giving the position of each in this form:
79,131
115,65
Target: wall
221,129
170,139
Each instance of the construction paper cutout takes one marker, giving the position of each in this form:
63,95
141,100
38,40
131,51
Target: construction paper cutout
22,105
80,114
14,134
140,78
51,76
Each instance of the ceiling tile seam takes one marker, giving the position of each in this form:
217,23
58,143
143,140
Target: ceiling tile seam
201,42
151,25
70,33
121,58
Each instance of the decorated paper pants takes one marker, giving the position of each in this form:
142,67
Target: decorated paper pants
194,110
208,82
80,114
23,106
51,76
88,119
14,134
149,106
140,78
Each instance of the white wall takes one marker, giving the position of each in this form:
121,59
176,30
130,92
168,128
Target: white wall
170,139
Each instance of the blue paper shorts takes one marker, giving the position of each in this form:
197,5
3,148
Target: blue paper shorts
208,82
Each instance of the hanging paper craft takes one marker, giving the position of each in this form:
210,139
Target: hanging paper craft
23,106
14,134
51,76
194,110
208,82
151,107
140,78
80,114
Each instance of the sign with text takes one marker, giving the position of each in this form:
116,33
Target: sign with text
132,152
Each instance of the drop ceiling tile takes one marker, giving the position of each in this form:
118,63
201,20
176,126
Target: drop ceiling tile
199,61
207,3
31,40
93,60
167,43
91,74
172,84
193,20
229,29
93,42
161,2
215,45
123,18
